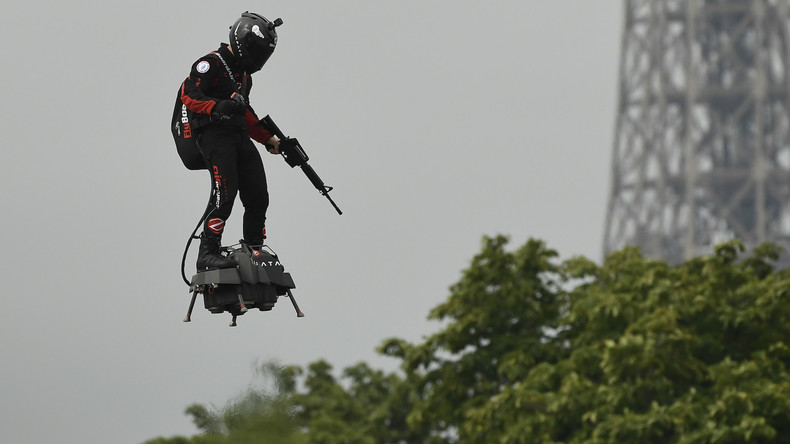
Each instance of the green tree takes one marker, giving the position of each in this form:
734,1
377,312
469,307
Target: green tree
501,320
371,407
261,414
533,350
653,354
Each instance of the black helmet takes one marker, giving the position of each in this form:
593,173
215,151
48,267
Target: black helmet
253,39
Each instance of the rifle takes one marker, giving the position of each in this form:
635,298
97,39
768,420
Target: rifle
294,155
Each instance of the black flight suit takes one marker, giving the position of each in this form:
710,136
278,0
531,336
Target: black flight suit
224,141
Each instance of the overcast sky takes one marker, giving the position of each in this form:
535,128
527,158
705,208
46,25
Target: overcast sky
437,122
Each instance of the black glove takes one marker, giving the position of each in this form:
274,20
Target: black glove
236,105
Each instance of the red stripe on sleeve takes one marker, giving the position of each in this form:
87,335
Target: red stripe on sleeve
197,106
256,131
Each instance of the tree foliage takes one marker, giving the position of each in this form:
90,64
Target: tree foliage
262,412
533,350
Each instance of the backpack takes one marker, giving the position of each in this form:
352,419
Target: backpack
182,127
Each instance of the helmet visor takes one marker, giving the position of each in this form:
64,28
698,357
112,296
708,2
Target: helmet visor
259,54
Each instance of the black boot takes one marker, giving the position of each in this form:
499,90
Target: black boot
209,257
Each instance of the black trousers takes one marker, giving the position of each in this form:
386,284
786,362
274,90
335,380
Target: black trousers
235,166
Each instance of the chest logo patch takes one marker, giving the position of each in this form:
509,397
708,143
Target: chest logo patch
203,67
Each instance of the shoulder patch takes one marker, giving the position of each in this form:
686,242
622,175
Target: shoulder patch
203,66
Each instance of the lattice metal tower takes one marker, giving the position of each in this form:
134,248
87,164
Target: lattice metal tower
702,138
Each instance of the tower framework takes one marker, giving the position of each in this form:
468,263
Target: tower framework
702,136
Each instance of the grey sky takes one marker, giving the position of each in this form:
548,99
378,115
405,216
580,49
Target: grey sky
437,122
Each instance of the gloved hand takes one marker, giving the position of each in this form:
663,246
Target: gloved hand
236,105
273,145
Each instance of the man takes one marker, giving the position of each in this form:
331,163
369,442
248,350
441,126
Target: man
216,94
